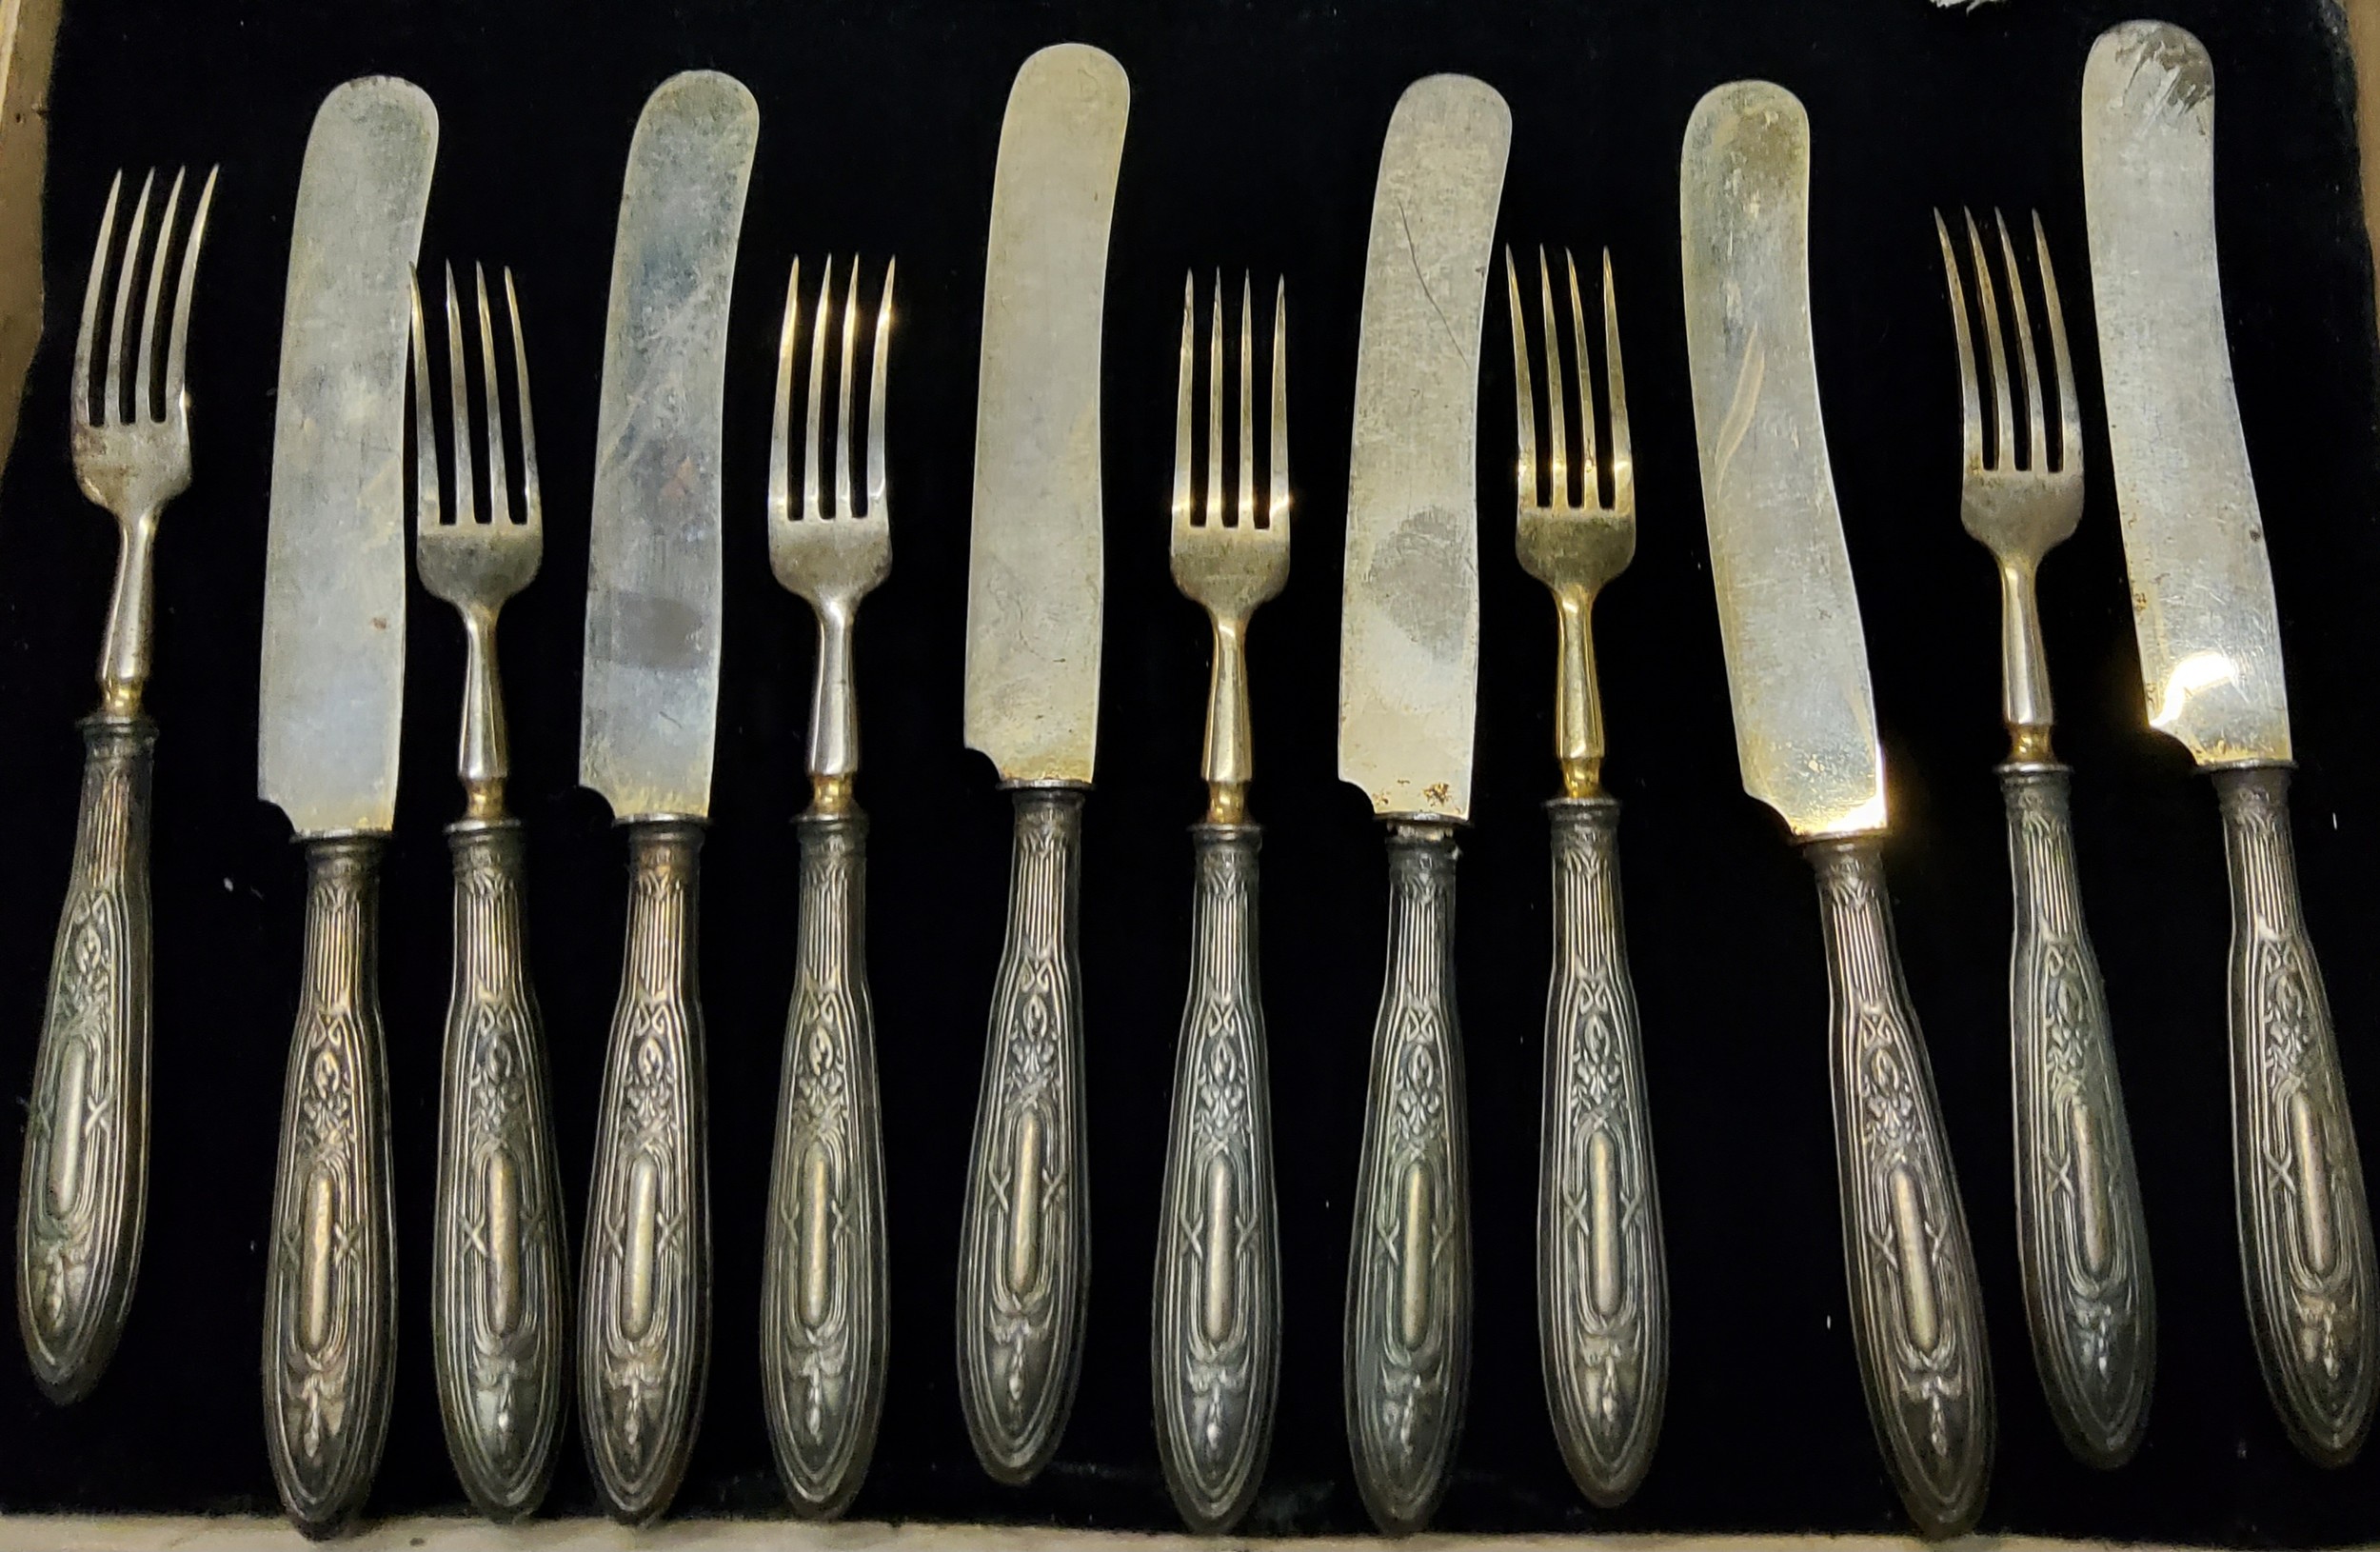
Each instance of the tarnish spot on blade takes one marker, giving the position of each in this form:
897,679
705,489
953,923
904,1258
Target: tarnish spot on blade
2171,75
1417,575
649,631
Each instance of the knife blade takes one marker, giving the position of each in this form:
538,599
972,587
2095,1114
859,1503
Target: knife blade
648,720
1408,701
1034,584
2204,612
1805,736
330,696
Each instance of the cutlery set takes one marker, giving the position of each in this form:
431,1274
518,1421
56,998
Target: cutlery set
363,318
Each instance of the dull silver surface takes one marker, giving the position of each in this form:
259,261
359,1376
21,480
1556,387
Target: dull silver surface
1797,656
1035,567
1409,615
330,688
2202,586
650,705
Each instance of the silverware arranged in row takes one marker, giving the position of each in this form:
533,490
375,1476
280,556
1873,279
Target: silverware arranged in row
356,327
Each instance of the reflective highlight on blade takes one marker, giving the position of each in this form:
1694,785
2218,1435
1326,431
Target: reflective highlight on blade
650,706
1796,659
1034,561
2202,586
1409,615
330,691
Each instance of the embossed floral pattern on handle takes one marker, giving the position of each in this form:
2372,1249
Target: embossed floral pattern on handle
1917,1318
500,1262
2304,1230
1408,1334
1216,1345
823,1292
645,1294
85,1183
330,1267
1024,1256
1602,1277
2089,1299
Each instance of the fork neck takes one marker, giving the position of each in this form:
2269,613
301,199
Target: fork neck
484,760
1578,699
834,710
1228,761
2024,668
124,654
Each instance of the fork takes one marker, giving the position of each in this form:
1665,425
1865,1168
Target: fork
823,1290
1215,1348
498,1259
2080,1236
1603,1279
85,1181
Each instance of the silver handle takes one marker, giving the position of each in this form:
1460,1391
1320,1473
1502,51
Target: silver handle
1915,1317
2305,1232
823,1291
2083,1245
85,1184
498,1266
1603,1279
1216,1344
644,1298
1408,1335
331,1292
1024,1254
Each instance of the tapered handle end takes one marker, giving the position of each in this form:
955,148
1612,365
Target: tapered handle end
1408,1329
1025,1248
498,1276
2090,1300
330,1269
644,1293
1916,1319
2304,1230
823,1294
1602,1278
85,1176
1215,1348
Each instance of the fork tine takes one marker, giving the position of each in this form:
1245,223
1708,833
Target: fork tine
178,347
844,457
779,454
1214,404
1524,406
2036,433
1557,392
83,338
144,375
813,458
458,380
1277,463
2069,415
1969,398
1615,394
1184,500
426,513
126,277
532,504
875,402
2003,441
499,492
1589,492
1247,393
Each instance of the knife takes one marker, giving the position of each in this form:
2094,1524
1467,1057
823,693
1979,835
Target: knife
1408,702
648,717
1034,586
2211,666
1805,736
330,700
